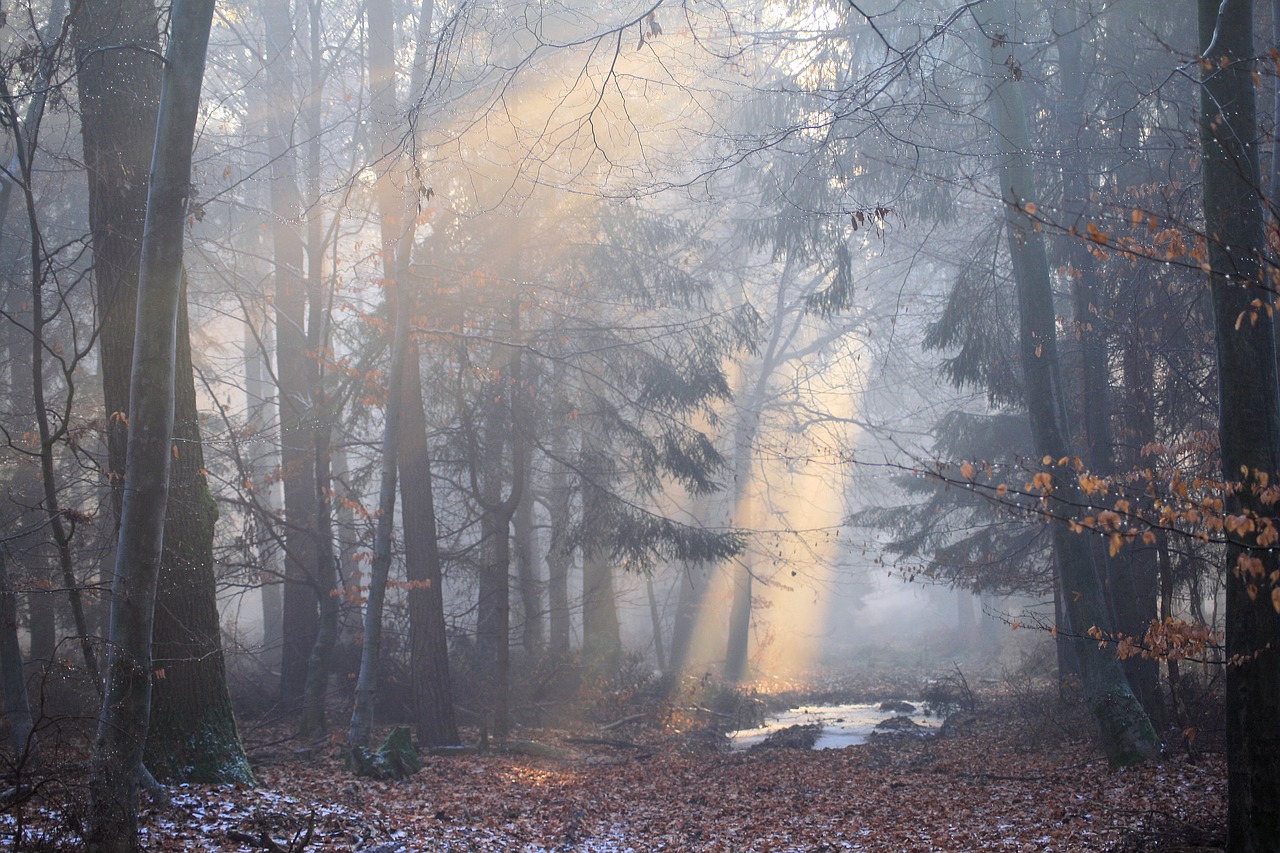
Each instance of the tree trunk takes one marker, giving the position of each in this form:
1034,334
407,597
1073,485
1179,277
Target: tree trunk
20,341
16,712
1127,735
744,439
122,727
263,459
655,619
1143,562
381,59
1249,426
693,587
493,606
295,368
559,549
428,644
527,573
192,714
493,616
192,735
739,643
320,662
371,650
601,633
1130,576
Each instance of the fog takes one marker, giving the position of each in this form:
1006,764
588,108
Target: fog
709,341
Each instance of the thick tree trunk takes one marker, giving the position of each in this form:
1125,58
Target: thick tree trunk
1130,576
117,137
192,736
493,606
428,645
122,727
1249,426
117,152
1142,561
193,717
1127,734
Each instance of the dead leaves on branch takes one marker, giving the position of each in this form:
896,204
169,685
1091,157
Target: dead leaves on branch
1172,496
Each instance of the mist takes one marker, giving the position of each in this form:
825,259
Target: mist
539,363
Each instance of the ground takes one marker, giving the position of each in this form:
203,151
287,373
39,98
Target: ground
989,781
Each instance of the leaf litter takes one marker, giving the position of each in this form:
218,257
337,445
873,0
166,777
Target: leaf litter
1003,780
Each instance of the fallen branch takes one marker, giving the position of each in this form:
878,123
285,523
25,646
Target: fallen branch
631,719
601,741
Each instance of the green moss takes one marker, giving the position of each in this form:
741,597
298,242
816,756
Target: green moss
210,752
1128,737
395,759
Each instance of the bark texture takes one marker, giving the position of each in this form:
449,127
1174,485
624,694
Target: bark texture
1249,418
435,722
195,736
122,727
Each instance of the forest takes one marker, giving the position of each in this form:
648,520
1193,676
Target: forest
709,425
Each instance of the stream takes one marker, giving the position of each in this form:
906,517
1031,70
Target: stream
842,725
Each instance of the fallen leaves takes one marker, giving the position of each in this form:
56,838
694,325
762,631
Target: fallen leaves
1006,780
969,790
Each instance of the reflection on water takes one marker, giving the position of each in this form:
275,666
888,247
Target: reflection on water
842,725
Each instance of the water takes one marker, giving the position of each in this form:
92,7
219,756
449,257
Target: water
842,725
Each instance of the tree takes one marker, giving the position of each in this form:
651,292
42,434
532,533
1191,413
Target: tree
16,711
194,733
1243,291
428,645
295,371
122,725
1127,734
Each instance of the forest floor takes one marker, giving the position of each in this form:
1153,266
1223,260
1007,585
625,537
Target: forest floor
1016,775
